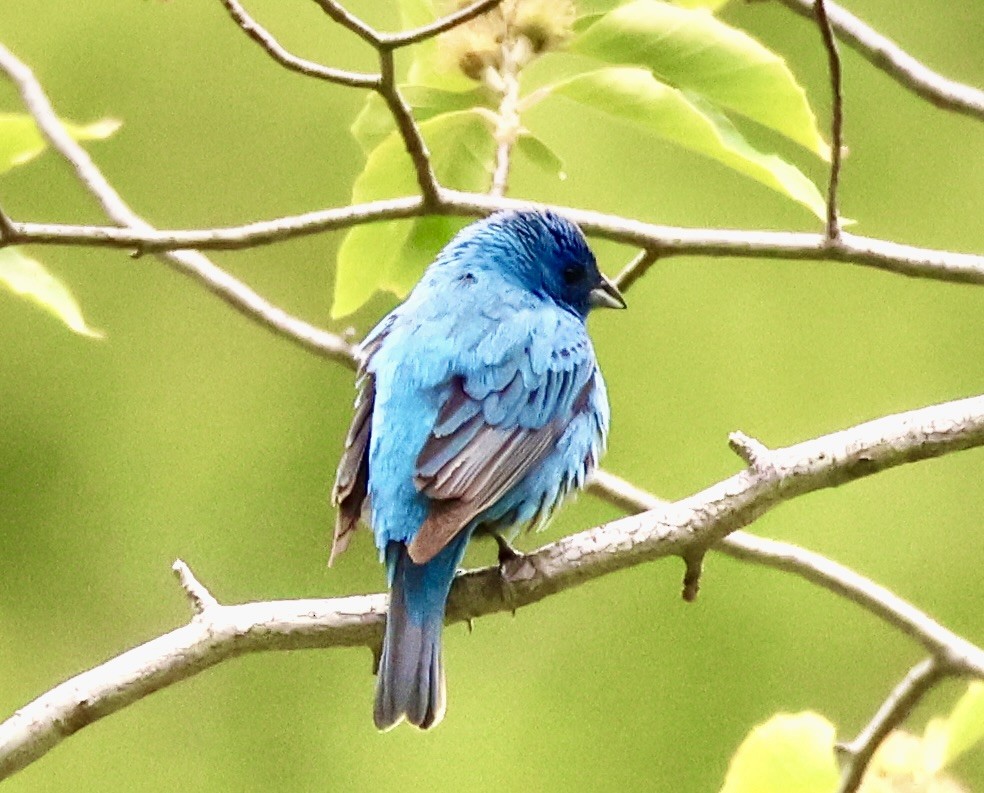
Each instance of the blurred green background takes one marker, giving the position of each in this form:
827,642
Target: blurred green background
191,432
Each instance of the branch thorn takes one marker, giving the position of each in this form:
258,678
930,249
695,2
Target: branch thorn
201,599
694,560
753,452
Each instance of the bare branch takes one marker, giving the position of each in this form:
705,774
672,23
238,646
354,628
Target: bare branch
662,241
953,651
350,21
7,230
275,50
406,124
190,263
442,25
894,710
635,269
837,118
885,54
217,634
683,528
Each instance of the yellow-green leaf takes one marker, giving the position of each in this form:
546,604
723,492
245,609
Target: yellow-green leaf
391,255
710,5
947,739
696,52
635,96
790,753
20,140
541,155
29,279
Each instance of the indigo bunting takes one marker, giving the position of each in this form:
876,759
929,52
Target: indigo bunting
480,407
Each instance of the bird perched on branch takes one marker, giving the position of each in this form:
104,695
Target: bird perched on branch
480,407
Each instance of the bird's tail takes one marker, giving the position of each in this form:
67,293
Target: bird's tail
411,675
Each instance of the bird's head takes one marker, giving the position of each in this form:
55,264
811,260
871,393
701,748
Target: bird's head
541,252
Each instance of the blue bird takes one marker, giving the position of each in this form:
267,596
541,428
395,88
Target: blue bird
480,407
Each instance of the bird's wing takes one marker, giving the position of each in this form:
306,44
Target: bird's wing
493,428
352,478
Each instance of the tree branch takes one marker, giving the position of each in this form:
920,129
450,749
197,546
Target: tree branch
442,25
884,54
413,141
661,241
350,21
837,118
941,642
275,50
894,710
684,528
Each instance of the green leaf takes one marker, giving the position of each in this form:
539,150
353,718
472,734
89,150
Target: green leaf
710,5
696,52
391,255
20,140
788,754
541,155
947,739
635,96
28,278
375,121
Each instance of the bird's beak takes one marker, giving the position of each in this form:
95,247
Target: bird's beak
606,295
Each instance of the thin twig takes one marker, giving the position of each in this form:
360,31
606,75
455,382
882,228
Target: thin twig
893,711
275,50
350,21
886,55
393,41
8,231
435,28
636,268
837,118
413,141
190,263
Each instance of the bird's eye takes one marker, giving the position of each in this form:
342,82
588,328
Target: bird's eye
572,273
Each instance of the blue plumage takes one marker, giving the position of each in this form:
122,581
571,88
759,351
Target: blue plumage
480,407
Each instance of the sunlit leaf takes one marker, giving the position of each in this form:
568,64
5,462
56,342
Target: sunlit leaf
598,7
787,754
711,5
20,140
29,279
373,123
947,739
694,51
392,255
541,155
635,96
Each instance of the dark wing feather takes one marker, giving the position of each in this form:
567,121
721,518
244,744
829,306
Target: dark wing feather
352,479
481,448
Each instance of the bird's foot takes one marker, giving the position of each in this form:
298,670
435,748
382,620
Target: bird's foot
512,569
507,553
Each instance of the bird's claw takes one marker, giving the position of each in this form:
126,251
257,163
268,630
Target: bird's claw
507,553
